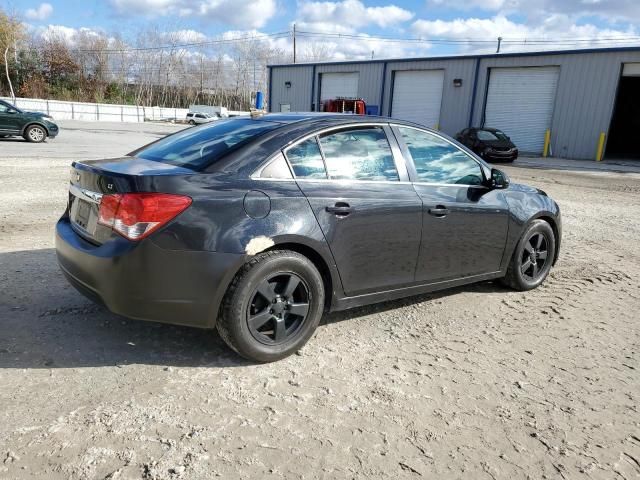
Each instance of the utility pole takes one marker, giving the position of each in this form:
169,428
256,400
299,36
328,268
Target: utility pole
499,42
202,76
371,54
294,43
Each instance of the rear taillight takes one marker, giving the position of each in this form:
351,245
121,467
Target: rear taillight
137,215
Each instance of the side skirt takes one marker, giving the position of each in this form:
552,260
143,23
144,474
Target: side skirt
345,303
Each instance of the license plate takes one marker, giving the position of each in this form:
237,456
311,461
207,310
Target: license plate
83,215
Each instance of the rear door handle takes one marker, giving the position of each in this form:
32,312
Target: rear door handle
340,209
439,211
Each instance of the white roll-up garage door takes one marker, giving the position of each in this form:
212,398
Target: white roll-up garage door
334,85
520,102
417,96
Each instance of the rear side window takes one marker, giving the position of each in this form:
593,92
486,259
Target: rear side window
359,154
196,148
438,161
306,160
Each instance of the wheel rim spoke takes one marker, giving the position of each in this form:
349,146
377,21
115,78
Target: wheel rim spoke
300,309
258,320
542,255
528,247
535,270
278,309
281,330
290,287
266,290
525,266
539,242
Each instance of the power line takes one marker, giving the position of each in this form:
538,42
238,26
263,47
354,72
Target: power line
180,46
467,41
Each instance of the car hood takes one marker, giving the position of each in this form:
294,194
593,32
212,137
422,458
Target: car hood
520,187
35,114
498,143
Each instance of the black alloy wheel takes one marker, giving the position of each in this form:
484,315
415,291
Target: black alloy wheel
535,256
273,306
278,308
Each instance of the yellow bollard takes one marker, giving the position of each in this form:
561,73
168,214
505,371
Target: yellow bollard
547,143
600,152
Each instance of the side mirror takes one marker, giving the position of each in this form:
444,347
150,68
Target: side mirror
499,179
11,110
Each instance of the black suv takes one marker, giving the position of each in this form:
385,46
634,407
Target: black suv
33,126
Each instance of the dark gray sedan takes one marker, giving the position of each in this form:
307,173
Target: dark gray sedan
257,226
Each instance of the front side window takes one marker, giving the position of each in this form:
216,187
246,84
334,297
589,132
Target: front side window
306,160
438,161
359,154
196,148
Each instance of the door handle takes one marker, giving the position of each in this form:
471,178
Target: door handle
340,209
439,211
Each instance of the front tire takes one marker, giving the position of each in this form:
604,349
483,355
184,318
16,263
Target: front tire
272,306
532,258
35,134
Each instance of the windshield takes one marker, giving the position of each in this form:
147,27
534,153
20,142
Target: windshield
196,148
5,107
491,135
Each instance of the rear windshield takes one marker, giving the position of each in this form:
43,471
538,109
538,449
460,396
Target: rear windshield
199,147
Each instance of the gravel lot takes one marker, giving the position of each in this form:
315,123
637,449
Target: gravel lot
476,382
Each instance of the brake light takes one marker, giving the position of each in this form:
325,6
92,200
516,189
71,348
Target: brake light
137,215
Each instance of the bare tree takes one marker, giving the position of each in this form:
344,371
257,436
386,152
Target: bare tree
11,31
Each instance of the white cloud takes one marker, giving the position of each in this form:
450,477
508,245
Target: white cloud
557,28
624,11
69,35
246,13
185,36
43,12
349,15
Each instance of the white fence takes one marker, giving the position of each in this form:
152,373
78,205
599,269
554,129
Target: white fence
101,112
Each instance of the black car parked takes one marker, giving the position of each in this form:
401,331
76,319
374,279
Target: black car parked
258,226
32,126
490,143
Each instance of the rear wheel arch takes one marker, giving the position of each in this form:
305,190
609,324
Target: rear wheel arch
318,261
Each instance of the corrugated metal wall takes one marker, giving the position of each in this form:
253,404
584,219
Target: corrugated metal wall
454,114
584,101
298,95
368,83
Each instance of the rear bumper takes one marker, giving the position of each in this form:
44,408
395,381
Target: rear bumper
146,282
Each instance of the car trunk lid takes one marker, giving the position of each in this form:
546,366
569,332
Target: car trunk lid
91,180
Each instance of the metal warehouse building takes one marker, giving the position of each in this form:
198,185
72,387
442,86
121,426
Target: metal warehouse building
575,95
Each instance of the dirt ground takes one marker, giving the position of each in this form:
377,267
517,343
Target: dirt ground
476,382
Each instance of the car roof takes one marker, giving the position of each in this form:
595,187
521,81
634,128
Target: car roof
295,117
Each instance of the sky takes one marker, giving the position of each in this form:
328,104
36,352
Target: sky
352,29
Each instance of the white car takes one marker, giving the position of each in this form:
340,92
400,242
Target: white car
196,118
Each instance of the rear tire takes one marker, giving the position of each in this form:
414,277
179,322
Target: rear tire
192,123
532,258
35,134
273,306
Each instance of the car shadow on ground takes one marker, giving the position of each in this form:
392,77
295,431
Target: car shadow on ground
47,324
13,139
